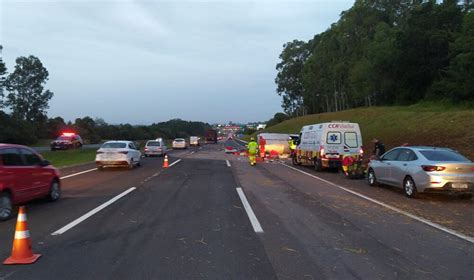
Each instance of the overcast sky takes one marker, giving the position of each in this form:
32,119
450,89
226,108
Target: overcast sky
149,61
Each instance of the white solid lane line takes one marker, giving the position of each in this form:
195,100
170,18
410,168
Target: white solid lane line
79,173
399,211
175,162
228,163
253,219
91,213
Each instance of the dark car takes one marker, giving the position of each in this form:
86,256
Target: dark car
24,176
67,141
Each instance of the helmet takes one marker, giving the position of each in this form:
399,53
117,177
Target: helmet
252,138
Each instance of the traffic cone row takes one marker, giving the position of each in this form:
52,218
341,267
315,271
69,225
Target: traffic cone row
21,252
165,163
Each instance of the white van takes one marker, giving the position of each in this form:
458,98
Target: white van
194,141
325,144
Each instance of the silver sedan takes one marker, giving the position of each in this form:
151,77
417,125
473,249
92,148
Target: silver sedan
423,169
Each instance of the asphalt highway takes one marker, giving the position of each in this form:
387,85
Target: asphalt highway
213,216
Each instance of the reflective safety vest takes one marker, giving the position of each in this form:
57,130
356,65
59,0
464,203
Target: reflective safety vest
292,144
252,147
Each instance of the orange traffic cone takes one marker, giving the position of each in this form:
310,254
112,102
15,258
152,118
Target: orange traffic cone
21,252
165,163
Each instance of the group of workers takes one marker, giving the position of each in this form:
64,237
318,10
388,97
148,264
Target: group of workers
254,148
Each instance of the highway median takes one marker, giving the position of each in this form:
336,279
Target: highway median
70,157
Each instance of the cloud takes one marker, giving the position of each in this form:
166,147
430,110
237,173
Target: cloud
206,60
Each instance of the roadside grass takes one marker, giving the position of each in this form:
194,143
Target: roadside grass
421,124
70,157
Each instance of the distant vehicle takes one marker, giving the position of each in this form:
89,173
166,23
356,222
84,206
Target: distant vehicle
211,136
194,141
423,169
155,147
325,144
24,176
67,140
179,143
230,136
118,154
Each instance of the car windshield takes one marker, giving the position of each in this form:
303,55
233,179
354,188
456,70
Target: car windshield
114,145
179,140
64,138
443,155
153,144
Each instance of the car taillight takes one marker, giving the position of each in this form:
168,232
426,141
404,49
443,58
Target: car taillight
124,152
146,149
431,168
472,169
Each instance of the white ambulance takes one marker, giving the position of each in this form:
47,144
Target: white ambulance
325,144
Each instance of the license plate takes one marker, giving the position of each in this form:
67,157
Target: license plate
459,186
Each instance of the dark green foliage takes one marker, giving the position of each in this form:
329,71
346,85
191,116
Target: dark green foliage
3,72
16,131
169,130
383,52
277,118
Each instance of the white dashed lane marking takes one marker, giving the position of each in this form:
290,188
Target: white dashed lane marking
92,212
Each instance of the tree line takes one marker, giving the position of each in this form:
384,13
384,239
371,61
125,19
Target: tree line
23,117
382,52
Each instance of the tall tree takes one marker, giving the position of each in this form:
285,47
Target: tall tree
289,77
27,98
3,72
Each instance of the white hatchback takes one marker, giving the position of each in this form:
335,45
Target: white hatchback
179,143
155,148
118,154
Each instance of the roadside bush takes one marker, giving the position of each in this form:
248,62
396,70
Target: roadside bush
16,131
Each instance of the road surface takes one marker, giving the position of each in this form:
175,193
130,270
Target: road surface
213,216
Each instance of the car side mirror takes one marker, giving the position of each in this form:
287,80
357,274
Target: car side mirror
44,163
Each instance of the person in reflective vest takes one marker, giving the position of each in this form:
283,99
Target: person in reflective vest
262,142
252,148
292,145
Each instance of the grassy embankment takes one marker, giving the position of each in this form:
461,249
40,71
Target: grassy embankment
431,125
70,157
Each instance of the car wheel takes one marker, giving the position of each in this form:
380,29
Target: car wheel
100,167
318,165
371,178
54,190
294,160
409,187
5,207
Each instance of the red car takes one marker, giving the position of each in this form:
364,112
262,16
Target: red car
24,176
